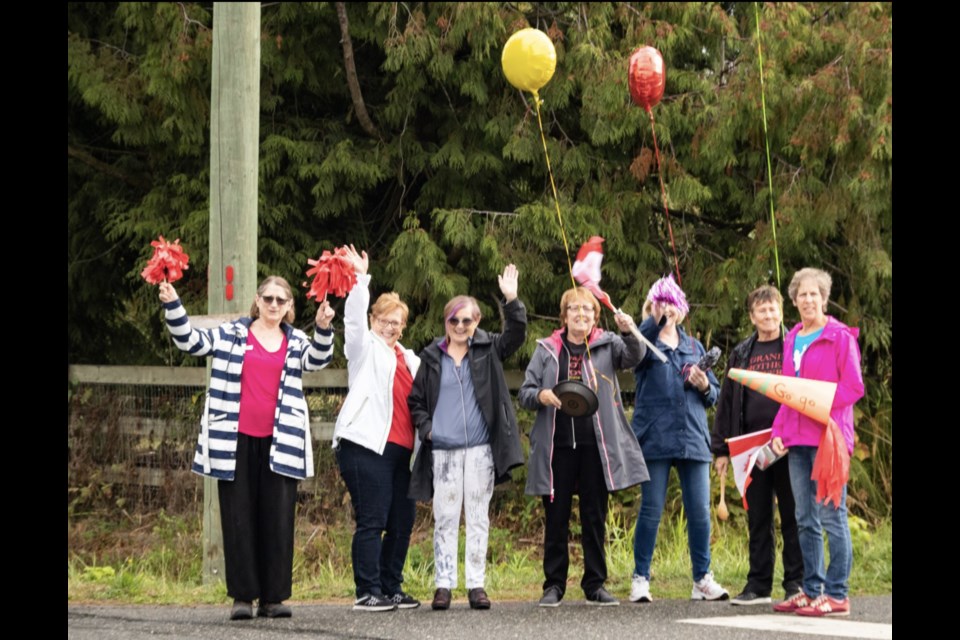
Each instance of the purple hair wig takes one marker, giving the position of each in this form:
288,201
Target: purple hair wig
666,290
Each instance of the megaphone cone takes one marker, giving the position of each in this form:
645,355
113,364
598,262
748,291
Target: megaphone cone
812,398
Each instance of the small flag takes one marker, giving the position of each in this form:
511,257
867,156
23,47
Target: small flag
743,458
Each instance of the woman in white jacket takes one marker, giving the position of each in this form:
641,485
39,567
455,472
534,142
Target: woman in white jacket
374,439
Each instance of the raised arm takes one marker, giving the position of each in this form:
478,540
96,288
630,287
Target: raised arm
628,351
514,315
355,326
320,352
196,342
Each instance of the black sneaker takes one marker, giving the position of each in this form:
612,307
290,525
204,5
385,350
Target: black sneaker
241,610
602,598
373,602
404,601
551,597
273,610
749,597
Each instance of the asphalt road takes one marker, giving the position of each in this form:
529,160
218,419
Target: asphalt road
871,617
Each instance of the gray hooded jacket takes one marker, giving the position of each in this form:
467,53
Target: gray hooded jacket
620,453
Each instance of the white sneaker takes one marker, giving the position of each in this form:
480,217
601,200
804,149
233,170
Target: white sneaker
640,590
708,589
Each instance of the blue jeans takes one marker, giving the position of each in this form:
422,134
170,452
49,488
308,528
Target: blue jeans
695,487
812,520
378,491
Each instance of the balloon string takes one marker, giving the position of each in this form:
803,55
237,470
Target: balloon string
766,142
556,202
663,193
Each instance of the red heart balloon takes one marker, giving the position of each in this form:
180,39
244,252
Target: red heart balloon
646,77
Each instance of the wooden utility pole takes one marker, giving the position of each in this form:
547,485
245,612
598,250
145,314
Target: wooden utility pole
234,152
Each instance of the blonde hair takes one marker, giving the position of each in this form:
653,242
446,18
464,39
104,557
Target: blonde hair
283,284
388,303
577,293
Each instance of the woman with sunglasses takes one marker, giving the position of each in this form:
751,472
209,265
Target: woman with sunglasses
590,455
464,415
255,435
374,440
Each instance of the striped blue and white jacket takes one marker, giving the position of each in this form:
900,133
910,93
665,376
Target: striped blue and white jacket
291,452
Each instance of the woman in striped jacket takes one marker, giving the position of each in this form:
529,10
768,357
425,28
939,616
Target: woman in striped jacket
255,435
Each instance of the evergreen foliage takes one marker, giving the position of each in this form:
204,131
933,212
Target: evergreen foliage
454,185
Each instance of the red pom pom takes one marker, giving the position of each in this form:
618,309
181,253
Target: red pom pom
332,273
168,263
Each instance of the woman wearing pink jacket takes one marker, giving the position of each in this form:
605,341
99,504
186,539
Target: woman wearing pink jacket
820,347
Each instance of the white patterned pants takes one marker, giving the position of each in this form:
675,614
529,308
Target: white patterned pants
461,477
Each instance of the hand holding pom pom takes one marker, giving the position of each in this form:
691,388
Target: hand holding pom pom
168,263
332,273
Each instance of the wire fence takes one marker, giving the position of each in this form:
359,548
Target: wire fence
132,433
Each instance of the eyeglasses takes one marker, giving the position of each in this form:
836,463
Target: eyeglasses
393,324
581,308
271,299
466,322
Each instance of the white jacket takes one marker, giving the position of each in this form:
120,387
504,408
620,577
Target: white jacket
367,413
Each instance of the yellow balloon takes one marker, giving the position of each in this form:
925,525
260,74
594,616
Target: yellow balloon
529,59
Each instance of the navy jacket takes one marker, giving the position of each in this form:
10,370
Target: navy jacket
670,422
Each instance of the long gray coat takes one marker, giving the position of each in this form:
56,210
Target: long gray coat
620,453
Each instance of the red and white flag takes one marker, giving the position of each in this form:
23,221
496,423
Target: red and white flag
586,269
743,458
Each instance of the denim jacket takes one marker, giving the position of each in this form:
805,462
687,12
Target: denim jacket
669,421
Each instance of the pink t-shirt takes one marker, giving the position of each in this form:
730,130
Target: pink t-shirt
259,387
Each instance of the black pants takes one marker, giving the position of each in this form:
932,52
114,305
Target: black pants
764,485
257,512
576,471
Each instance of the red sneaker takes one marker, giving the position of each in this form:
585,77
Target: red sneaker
826,606
793,603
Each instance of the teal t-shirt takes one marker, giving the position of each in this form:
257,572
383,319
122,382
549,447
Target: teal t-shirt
800,345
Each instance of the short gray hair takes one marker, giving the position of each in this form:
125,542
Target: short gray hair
822,278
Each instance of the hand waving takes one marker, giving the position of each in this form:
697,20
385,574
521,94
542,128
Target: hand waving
508,282
359,262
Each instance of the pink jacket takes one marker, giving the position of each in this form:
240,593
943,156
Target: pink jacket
834,357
